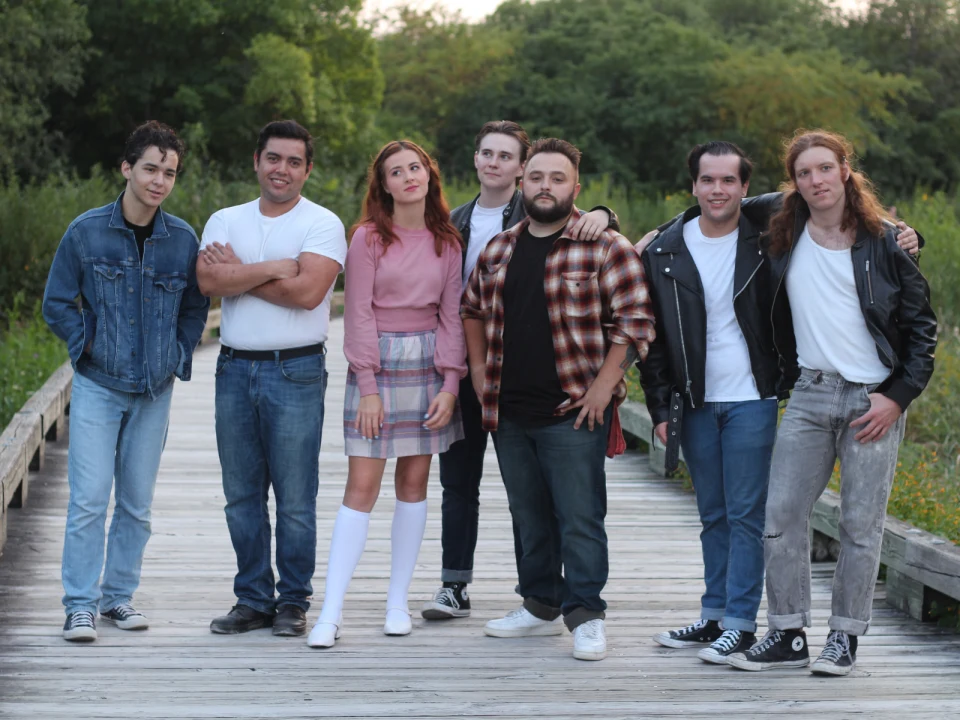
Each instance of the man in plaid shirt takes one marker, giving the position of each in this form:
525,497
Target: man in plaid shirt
551,325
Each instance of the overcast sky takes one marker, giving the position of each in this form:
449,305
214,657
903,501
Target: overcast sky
478,9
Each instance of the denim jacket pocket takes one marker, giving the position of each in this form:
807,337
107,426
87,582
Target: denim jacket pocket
111,312
168,292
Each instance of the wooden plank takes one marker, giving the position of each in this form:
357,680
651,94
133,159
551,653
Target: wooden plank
13,459
178,669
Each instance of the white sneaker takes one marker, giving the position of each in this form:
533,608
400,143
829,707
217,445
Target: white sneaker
590,640
520,623
325,635
397,622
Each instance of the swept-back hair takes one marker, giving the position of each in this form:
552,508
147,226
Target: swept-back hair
717,148
861,203
378,204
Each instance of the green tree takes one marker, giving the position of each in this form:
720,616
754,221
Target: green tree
42,52
222,70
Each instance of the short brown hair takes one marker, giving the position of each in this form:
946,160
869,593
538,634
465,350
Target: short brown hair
556,145
505,127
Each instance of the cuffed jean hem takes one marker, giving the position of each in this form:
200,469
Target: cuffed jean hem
461,576
732,623
796,621
848,625
268,608
715,614
581,615
302,604
77,608
540,610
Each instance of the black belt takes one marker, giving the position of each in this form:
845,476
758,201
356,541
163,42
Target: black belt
278,355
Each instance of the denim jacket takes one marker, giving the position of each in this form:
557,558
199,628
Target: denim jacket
141,320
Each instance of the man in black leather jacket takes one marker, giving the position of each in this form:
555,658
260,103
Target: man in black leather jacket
856,334
714,356
501,150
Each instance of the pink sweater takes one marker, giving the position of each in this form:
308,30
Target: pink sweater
405,288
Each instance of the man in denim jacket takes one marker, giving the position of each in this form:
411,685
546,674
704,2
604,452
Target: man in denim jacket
122,293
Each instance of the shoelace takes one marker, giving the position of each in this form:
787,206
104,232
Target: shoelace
519,612
769,640
690,629
838,645
125,610
82,619
728,641
590,630
445,596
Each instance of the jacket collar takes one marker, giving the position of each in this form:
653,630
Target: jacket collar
508,211
116,219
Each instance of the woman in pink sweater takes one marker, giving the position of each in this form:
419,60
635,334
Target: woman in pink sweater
404,343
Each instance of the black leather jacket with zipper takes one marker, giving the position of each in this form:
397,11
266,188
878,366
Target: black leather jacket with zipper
677,358
895,301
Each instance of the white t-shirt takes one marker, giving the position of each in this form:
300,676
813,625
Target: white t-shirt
729,375
485,224
831,333
249,323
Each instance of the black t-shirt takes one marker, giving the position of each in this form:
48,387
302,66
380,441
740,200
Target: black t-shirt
141,232
530,389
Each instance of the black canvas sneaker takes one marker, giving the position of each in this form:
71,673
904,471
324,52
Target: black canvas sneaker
702,632
447,603
125,617
839,655
778,649
80,626
732,641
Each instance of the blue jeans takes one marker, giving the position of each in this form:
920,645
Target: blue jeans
557,490
461,468
116,439
269,420
727,447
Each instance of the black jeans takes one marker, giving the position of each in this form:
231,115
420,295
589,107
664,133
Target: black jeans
461,468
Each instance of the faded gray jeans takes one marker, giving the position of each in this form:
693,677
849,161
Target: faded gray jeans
814,431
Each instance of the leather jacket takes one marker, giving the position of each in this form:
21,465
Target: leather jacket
895,301
677,357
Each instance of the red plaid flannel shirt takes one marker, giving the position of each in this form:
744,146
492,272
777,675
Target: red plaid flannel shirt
596,296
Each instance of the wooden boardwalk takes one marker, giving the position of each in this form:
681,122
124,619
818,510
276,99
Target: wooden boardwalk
178,669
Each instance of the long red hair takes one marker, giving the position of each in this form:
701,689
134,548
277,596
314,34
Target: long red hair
378,204
861,204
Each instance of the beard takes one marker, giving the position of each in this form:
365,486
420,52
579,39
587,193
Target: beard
561,208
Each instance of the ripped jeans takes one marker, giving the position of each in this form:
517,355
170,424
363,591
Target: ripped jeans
814,432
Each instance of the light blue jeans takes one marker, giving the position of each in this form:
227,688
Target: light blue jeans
116,439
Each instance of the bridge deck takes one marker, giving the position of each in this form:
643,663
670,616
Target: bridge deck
178,669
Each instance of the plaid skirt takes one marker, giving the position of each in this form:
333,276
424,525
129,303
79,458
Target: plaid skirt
408,382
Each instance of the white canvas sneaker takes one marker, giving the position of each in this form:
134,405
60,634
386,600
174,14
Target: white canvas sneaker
520,623
590,640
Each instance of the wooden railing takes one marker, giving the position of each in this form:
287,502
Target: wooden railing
919,564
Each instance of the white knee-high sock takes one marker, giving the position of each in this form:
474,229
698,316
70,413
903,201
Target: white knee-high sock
409,521
346,547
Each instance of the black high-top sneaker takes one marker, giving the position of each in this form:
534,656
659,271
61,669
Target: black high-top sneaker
778,649
839,655
450,601
702,632
732,641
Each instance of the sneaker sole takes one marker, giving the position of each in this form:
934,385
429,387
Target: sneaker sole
713,657
667,641
435,611
830,669
744,664
84,635
539,631
590,654
140,624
